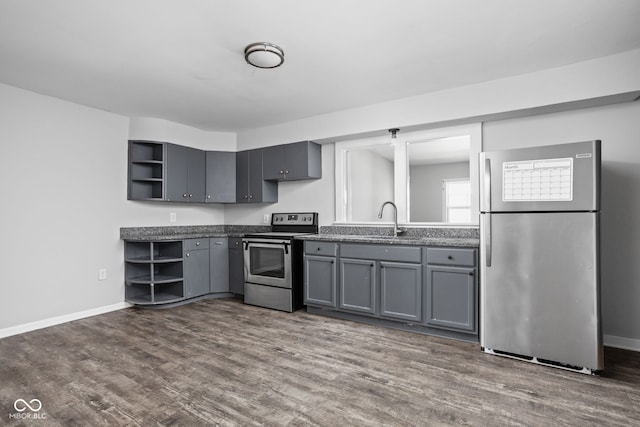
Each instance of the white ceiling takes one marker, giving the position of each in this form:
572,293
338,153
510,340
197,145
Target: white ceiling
182,60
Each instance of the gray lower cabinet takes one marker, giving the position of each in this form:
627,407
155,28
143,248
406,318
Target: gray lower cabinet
451,289
154,272
236,266
424,289
218,264
320,274
358,285
196,267
401,290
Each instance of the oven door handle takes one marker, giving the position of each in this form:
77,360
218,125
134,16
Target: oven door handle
285,244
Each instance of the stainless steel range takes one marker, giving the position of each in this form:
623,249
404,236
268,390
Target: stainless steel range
273,262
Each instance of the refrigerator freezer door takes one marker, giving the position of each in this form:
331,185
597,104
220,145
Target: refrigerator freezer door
561,177
540,296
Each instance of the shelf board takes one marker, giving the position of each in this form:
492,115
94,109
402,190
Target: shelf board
148,162
159,299
158,279
157,260
166,259
147,179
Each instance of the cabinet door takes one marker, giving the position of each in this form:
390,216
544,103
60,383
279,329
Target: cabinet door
401,290
176,179
185,179
303,160
196,272
273,162
196,175
218,264
450,298
220,177
242,177
320,281
236,266
358,285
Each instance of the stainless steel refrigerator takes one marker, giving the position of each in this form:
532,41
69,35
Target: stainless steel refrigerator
539,272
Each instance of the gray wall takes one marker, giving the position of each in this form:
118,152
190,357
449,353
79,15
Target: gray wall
618,126
371,178
426,189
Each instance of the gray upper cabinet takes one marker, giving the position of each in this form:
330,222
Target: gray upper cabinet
250,185
146,170
300,160
185,174
220,177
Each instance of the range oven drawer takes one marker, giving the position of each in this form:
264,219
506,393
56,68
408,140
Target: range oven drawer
268,297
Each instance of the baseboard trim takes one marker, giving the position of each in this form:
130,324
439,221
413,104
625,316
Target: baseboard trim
52,321
621,342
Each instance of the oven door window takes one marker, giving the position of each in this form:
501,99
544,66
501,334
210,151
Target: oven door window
267,262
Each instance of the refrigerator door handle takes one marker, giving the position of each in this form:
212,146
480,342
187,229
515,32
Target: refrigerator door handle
486,186
487,238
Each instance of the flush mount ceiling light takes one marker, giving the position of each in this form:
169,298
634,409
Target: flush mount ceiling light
264,55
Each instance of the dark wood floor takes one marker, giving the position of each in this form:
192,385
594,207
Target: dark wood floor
219,362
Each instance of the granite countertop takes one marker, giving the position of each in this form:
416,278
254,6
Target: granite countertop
420,236
390,240
144,234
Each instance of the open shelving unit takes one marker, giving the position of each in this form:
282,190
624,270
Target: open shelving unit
154,272
146,170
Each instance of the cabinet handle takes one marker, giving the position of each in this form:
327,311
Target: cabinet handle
281,172
208,196
250,196
286,171
471,273
190,195
246,197
184,195
197,243
188,254
449,257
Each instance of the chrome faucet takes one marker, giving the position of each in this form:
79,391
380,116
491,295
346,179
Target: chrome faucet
396,230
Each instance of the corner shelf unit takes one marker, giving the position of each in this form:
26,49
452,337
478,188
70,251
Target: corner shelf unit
154,272
146,170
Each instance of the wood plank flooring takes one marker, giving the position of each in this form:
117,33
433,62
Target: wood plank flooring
222,363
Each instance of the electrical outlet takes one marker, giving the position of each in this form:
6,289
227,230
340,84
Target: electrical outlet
265,219
102,274
172,217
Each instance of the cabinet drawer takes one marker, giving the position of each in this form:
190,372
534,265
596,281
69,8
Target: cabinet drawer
382,252
193,244
320,248
451,256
